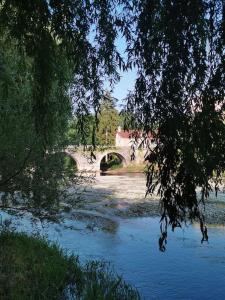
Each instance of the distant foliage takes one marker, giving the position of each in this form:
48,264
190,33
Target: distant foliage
81,134
108,121
112,162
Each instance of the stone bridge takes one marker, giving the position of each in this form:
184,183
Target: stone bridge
85,162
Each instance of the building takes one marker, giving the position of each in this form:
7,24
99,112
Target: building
128,137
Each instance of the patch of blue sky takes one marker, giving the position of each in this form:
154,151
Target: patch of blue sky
126,83
127,78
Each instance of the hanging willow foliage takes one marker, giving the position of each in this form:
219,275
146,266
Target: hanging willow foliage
54,58
178,50
83,31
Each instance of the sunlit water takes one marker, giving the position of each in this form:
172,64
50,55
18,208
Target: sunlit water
187,270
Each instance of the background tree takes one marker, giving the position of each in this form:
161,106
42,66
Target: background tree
108,121
83,137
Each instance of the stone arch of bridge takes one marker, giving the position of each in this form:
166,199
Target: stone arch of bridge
121,156
67,153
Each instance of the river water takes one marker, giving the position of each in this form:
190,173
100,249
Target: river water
187,270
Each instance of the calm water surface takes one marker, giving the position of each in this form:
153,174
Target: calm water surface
187,270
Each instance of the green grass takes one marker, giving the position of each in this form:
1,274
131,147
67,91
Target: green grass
32,268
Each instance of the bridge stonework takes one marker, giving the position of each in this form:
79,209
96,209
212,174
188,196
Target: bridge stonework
85,162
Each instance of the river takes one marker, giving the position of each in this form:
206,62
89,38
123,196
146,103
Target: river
187,270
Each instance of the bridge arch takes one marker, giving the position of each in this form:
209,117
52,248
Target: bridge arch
68,154
105,158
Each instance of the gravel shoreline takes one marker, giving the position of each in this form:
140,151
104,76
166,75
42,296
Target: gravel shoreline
214,213
123,196
109,199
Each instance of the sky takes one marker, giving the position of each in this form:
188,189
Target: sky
125,85
127,80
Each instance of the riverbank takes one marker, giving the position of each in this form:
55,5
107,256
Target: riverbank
32,268
132,249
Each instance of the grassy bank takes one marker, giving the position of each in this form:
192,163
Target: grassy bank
32,268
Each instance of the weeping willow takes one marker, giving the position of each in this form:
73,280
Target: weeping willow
178,50
54,58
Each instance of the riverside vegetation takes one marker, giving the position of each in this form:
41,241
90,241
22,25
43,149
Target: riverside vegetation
32,268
